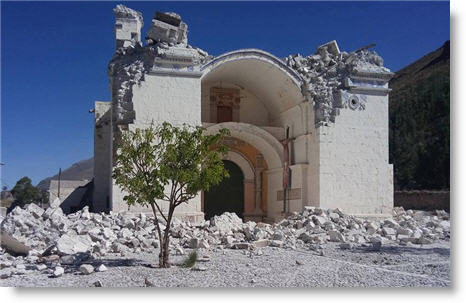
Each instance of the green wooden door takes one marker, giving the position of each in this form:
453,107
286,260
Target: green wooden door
228,196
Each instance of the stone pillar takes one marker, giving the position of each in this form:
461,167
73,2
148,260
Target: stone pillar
258,176
103,135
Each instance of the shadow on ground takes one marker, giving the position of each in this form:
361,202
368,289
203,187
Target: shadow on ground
406,250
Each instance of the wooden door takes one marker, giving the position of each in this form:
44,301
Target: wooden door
224,114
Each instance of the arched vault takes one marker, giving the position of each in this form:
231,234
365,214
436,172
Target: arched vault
268,145
263,74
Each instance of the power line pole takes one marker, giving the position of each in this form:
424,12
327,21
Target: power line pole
59,180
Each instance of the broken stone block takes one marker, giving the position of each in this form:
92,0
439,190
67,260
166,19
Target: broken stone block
12,245
194,243
336,236
118,248
199,268
67,245
371,228
5,263
35,210
135,243
58,271
203,259
125,233
101,268
227,222
277,236
276,243
376,242
241,246
52,212
445,225
305,237
128,223
260,234
203,244
404,231
390,223
424,240
74,259
228,240
358,239
41,267
387,231
179,250
98,283
50,259
168,27
328,226
331,47
419,215
407,239
148,283
335,217
261,243
86,269
85,215
6,273
346,245
108,233
319,220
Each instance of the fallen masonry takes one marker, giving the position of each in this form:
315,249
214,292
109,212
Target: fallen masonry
83,236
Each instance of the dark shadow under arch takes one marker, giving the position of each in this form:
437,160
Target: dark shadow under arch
228,196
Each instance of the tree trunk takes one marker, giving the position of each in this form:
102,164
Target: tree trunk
165,253
162,260
164,249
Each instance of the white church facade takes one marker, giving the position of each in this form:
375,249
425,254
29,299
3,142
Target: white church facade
305,131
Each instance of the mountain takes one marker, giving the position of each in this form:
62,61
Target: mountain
82,170
420,122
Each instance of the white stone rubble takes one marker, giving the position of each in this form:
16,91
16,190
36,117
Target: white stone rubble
89,235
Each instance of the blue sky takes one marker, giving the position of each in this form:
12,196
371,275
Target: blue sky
54,58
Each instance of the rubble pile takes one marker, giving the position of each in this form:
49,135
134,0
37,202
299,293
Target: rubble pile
79,232
324,75
73,239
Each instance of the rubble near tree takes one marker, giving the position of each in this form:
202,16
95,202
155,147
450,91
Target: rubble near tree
89,235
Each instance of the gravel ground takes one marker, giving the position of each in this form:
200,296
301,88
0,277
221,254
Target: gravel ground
391,266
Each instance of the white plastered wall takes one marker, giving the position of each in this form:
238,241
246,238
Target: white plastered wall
355,175
172,98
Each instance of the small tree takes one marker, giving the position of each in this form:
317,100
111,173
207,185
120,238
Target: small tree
24,193
167,166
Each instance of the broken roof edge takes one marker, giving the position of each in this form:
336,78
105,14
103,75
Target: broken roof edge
253,53
122,11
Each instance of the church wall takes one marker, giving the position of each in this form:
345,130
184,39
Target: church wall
175,99
160,98
354,171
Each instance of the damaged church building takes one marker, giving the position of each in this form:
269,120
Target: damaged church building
304,131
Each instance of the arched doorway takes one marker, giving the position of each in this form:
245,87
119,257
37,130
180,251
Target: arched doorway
228,196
